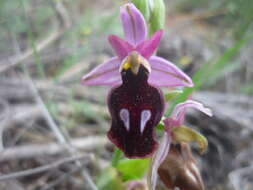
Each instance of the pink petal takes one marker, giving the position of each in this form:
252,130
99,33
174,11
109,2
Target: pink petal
165,73
105,74
179,111
121,47
148,47
134,24
169,123
158,158
135,184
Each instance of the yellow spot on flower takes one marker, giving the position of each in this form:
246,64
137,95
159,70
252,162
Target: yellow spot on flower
126,65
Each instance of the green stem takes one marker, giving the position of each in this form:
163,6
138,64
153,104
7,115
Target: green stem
116,157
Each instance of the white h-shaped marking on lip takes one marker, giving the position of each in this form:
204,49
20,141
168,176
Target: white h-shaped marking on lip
124,116
145,116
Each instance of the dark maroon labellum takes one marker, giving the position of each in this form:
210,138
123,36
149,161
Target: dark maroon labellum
136,108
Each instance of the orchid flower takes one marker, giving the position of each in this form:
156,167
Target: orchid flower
164,73
176,132
136,108
135,102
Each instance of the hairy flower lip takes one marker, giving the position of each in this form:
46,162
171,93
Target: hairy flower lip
128,103
133,157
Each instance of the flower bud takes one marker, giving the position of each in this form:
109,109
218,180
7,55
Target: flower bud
179,169
157,17
143,6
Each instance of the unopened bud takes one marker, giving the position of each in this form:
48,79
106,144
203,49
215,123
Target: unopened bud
179,169
157,17
143,6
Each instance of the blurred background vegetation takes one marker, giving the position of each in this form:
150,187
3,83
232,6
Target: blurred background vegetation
47,45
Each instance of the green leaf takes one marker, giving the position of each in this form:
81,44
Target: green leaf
109,179
160,126
116,157
143,6
133,168
247,88
157,18
172,95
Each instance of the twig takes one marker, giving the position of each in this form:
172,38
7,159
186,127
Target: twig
62,13
20,114
56,130
46,113
59,135
13,185
42,168
64,23
3,119
50,185
19,91
38,150
21,58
